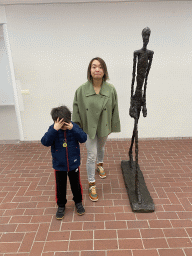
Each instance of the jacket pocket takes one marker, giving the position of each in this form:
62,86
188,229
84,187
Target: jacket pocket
74,156
59,157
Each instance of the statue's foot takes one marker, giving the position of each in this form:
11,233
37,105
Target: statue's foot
131,160
138,194
139,198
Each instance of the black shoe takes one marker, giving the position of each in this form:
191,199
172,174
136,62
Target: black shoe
60,213
80,209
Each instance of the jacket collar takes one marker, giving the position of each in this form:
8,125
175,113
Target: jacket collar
104,89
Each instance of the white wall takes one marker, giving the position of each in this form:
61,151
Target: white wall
8,120
6,89
8,123
6,2
52,45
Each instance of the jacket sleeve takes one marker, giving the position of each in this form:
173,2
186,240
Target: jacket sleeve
115,122
76,115
49,137
78,133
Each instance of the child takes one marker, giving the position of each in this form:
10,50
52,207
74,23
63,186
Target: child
64,137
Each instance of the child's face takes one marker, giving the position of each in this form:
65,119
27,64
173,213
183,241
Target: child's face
61,124
64,127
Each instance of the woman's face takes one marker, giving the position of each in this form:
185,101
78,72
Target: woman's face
96,70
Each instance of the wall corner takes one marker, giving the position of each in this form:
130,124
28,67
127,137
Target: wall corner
3,19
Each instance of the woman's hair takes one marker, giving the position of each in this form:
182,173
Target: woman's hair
103,65
61,112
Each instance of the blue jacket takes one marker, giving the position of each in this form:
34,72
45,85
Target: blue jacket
64,158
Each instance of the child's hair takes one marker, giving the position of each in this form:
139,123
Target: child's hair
61,112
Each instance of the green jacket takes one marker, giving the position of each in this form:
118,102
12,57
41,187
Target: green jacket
96,113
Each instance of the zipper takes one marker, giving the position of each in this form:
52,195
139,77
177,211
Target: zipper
65,135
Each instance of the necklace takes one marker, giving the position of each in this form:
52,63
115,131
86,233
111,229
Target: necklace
65,140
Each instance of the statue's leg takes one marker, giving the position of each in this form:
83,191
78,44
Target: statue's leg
137,190
131,147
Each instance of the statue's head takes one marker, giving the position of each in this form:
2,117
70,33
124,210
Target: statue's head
146,34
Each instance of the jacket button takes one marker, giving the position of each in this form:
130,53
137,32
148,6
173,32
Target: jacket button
86,108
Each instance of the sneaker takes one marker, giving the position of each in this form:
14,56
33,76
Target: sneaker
60,213
92,192
101,171
80,209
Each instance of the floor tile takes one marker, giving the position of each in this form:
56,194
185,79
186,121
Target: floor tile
109,227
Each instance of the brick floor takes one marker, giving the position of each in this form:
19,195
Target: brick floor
109,228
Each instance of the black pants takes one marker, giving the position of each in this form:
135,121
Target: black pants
61,186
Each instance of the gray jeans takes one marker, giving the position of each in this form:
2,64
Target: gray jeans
95,150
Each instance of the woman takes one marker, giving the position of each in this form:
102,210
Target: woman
95,110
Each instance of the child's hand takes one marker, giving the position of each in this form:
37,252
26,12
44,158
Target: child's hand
68,126
58,124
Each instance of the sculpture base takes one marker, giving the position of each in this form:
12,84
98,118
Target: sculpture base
146,204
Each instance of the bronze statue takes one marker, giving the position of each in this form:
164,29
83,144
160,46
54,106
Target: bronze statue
143,60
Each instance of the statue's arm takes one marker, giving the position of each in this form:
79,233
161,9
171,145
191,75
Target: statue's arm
149,64
147,73
133,74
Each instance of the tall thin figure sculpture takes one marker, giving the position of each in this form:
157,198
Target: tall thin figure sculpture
143,60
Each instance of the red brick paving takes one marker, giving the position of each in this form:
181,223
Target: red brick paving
109,228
